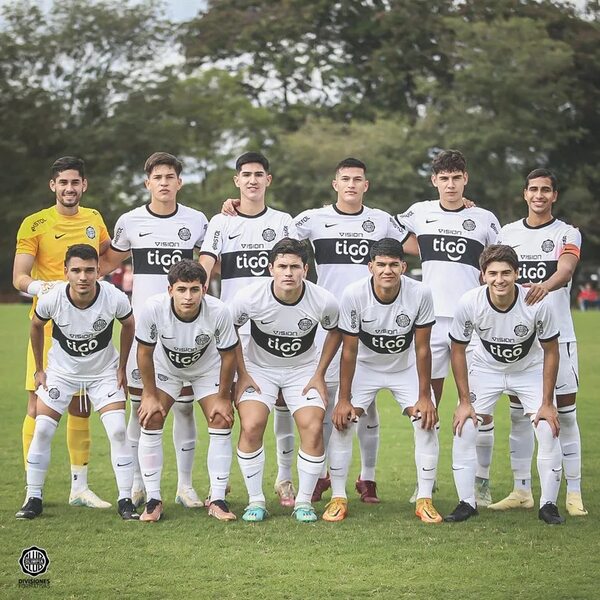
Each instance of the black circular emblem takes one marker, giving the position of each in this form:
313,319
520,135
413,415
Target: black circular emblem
403,320
34,561
268,234
202,340
469,224
54,393
547,245
368,226
305,324
135,374
99,324
521,330
162,377
90,232
184,234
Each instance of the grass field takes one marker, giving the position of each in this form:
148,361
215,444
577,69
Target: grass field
380,551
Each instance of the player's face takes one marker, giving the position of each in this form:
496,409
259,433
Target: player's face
450,185
187,296
69,187
540,196
253,181
288,271
386,271
163,184
350,183
82,276
500,278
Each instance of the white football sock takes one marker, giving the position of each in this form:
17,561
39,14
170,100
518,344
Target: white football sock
283,426
252,466
426,458
120,453
570,443
368,439
340,456
184,440
38,457
485,448
151,461
464,463
521,442
218,461
548,463
133,437
309,468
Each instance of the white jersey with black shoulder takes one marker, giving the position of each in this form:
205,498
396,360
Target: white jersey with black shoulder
509,338
82,345
283,335
186,349
450,243
243,243
342,241
539,249
156,242
386,330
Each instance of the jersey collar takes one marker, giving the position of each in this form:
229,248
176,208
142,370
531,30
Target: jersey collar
507,310
449,210
186,320
272,287
68,292
260,214
341,212
383,301
527,226
162,216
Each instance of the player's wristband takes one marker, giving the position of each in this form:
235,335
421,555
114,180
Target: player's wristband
34,288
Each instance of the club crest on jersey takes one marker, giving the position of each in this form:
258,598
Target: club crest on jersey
472,397
269,234
184,234
468,330
202,340
403,320
162,377
547,245
368,226
99,324
469,224
135,374
521,330
250,390
305,324
153,331
90,232
540,328
241,319
326,321
54,393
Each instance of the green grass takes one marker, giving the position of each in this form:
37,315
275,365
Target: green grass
379,551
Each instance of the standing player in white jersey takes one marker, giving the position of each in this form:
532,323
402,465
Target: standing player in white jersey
242,244
517,353
379,318
548,251
82,359
189,330
156,236
451,237
281,355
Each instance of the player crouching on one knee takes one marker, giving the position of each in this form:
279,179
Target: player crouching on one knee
281,354
82,360
508,359
380,316
184,335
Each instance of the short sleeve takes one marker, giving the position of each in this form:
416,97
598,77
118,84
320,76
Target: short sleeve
146,328
349,319
225,335
213,239
462,326
407,220
396,231
123,309
331,312
571,242
45,307
302,225
203,231
27,243
545,322
239,307
121,241
426,315
289,228
493,231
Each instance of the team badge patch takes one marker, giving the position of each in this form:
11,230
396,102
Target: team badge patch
90,232
250,390
326,321
153,332
403,320
202,340
472,397
521,330
54,393
368,226
242,319
468,330
540,328
353,319
99,324
268,234
34,561
135,374
305,324
184,234
547,245
469,224
162,377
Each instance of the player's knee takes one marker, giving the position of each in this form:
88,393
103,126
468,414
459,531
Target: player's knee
156,421
184,410
252,430
219,422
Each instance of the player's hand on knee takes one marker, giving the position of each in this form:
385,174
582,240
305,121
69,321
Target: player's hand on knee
229,207
343,414
461,415
223,409
549,414
425,408
149,406
245,382
317,383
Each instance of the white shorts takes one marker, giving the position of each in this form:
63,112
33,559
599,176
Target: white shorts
100,392
487,387
567,380
291,382
204,386
404,386
440,347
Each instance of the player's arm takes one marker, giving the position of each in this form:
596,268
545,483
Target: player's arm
228,367
150,404
548,411
36,334
424,405
565,270
464,410
22,280
411,246
317,381
126,340
229,207
110,259
344,411
208,262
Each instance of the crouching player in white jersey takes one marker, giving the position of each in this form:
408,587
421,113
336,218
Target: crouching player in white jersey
379,318
507,359
189,330
281,355
82,360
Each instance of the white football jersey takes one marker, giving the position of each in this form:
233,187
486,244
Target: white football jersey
243,244
386,330
186,349
82,345
450,243
156,242
509,339
283,334
539,249
342,241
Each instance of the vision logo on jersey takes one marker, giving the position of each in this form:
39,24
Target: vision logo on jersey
403,320
157,261
184,234
547,246
283,346
450,248
99,325
508,352
90,232
269,234
386,344
87,344
521,330
250,263
368,226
